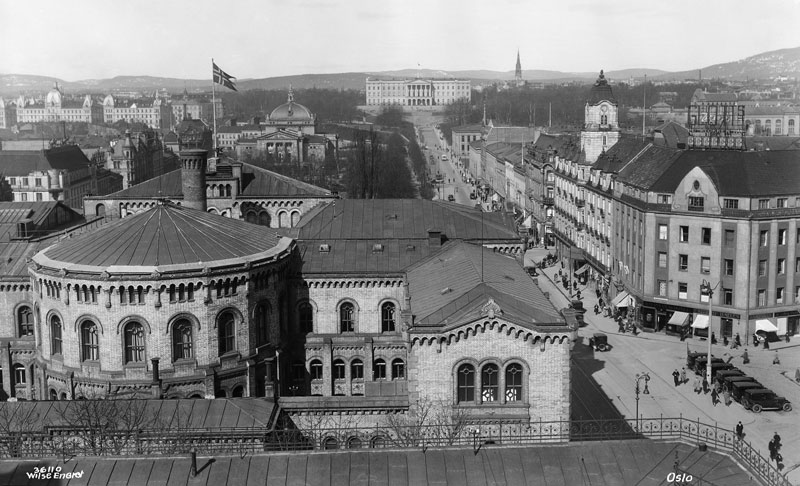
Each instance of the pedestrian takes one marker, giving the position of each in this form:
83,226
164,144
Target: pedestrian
776,360
787,337
745,357
777,439
705,384
756,341
713,338
596,309
597,293
601,302
738,340
797,375
766,343
697,386
714,397
683,375
772,450
726,393
676,377
739,430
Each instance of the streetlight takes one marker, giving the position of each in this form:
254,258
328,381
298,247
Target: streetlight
639,377
706,288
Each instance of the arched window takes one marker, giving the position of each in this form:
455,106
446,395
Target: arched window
604,119
100,210
489,383
227,329
19,374
295,218
262,323
379,369
387,317
251,217
134,343
466,383
356,369
53,393
306,317
283,220
513,382
398,369
182,340
338,369
190,292
237,392
264,219
315,369
25,321
55,335
346,317
90,342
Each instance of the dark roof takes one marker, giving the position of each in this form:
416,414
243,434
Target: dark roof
243,413
468,128
644,168
565,146
606,463
672,134
256,182
453,285
362,256
162,236
737,173
700,95
616,157
23,162
375,219
601,91
773,143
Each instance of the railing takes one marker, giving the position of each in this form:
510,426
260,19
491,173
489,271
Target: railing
68,444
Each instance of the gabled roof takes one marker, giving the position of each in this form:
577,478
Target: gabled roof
374,219
738,173
671,134
362,257
256,182
162,238
453,285
23,162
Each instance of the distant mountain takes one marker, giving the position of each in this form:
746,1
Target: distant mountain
764,66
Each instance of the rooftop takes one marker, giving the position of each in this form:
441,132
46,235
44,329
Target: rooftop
162,238
23,162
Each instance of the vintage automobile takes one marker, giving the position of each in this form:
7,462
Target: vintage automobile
693,356
599,342
728,381
758,399
719,376
700,364
737,388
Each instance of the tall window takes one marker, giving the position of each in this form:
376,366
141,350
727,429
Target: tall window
306,316
134,343
662,259
705,236
513,382
262,323
730,237
662,288
387,317
489,383
19,374
356,369
398,369
25,321
683,262
763,238
705,265
55,335
684,234
762,298
762,268
782,236
696,203
683,290
662,232
90,342
338,369
227,337
379,370
182,340
346,317
466,383
727,296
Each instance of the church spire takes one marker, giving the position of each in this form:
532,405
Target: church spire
518,73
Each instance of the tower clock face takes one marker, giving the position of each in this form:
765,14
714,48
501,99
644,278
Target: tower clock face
604,108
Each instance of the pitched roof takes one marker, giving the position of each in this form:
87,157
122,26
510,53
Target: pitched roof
23,162
162,238
362,257
773,143
256,182
738,173
671,134
375,219
477,127
451,286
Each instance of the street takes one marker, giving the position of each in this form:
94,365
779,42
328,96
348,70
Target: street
604,382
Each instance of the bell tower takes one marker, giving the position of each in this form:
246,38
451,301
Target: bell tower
601,125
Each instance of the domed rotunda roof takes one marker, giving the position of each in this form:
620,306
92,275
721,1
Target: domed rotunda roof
291,111
163,239
54,96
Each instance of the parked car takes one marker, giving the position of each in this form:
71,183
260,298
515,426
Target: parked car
472,195
739,387
693,356
719,376
758,399
730,380
451,198
700,364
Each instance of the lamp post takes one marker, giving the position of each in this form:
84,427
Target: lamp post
639,377
706,288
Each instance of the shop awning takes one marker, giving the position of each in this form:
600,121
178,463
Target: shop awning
678,318
583,269
765,325
700,321
621,300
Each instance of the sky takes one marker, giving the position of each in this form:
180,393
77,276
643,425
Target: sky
91,39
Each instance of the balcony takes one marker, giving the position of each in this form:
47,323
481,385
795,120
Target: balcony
548,201
580,202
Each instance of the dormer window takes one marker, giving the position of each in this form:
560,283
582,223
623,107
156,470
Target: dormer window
696,203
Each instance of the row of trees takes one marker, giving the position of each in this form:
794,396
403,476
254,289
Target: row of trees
377,171
327,104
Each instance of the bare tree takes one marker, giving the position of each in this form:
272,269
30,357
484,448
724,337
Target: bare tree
428,422
19,422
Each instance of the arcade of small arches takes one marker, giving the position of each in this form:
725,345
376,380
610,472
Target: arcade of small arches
347,375
496,383
526,335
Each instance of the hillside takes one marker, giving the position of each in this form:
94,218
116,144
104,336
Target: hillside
764,66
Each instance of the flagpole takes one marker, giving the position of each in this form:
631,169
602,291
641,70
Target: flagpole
214,107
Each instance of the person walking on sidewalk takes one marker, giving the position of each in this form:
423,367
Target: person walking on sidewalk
726,394
683,375
714,397
698,387
739,430
676,377
705,384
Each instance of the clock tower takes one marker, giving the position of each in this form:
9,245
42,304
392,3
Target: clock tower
601,126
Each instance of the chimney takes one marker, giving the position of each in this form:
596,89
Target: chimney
434,237
155,386
193,178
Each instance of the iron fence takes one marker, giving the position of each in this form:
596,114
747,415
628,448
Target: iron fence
67,444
